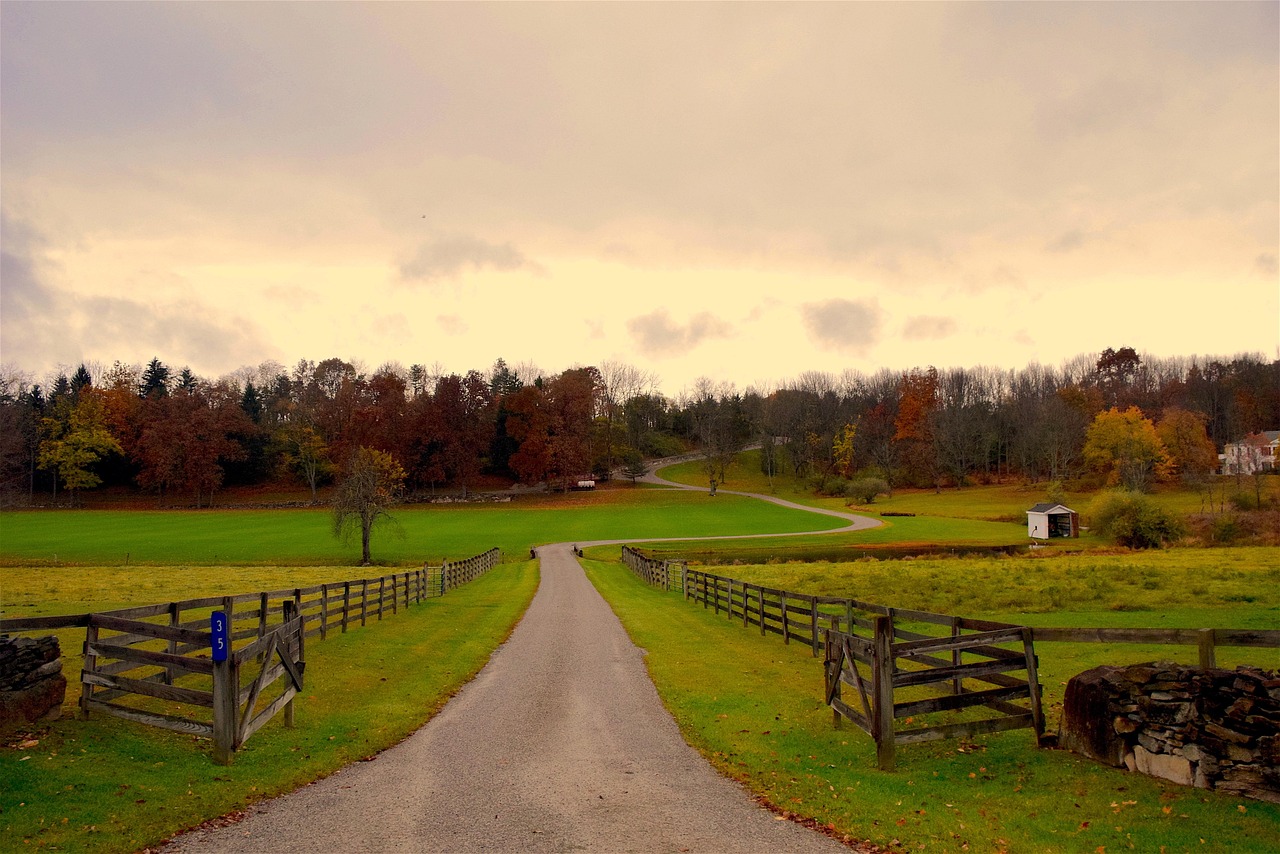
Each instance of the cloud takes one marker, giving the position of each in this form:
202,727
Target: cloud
1267,264
452,324
841,324
1070,241
925,328
447,257
656,334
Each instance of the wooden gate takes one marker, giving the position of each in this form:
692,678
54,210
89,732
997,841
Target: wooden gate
932,662
236,712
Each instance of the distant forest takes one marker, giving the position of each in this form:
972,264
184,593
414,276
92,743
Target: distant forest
183,437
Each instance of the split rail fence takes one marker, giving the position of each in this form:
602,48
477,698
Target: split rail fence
155,664
903,664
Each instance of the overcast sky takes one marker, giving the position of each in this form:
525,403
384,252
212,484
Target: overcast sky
741,191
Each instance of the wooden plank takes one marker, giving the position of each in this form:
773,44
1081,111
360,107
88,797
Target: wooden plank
155,719
116,624
905,679
964,700
844,709
964,730
255,689
159,690
137,613
36,624
129,653
958,642
265,716
1177,637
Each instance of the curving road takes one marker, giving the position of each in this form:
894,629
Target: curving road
559,744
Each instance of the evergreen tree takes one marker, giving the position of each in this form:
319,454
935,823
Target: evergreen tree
80,380
155,380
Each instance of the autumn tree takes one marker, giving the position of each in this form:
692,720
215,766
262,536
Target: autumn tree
75,442
913,427
371,484
1191,454
1124,444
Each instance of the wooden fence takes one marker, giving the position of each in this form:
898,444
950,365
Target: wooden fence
918,653
453,573
140,663
655,572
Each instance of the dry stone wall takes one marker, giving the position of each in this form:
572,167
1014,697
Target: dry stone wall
1213,729
32,686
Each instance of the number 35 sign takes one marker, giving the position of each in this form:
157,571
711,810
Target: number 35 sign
221,642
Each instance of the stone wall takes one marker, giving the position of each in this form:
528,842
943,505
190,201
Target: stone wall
1214,729
32,686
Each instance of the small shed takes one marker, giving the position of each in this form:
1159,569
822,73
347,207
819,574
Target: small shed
1052,520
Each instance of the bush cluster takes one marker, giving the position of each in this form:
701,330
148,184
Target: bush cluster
1133,520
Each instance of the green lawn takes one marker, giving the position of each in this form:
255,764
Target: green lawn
116,786
754,708
995,502
422,534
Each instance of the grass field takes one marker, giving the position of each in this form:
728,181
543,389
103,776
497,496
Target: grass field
303,537
754,708
996,502
115,786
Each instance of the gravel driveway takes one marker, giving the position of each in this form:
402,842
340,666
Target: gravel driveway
560,744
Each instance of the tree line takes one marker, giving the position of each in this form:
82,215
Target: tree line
183,437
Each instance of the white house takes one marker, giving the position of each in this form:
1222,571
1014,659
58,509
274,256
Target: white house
1256,452
1052,520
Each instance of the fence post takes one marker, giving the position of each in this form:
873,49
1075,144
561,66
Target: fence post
346,604
956,684
364,601
1033,684
324,611
290,611
90,666
262,616
1207,657
175,619
395,595
882,693
226,699
786,626
813,622
761,600
382,596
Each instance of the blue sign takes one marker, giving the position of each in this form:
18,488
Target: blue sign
221,641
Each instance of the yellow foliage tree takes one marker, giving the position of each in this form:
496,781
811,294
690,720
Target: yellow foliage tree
1124,444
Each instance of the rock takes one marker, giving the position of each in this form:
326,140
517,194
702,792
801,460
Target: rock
39,702
1167,766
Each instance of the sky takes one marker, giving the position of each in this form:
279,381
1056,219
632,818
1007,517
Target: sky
743,192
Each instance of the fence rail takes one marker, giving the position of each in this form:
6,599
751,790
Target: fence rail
135,658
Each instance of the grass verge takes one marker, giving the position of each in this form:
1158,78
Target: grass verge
110,785
753,707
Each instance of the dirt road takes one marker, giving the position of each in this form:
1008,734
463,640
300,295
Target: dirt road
560,744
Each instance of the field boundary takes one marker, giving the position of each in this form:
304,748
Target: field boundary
196,653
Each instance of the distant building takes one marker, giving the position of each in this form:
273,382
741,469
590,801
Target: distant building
1256,452
1052,520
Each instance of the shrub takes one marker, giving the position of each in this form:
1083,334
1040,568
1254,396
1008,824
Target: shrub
1133,520
830,486
1244,501
1055,493
865,489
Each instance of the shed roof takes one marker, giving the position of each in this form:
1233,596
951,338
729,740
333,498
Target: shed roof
1050,508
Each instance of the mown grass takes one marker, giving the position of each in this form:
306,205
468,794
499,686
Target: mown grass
303,537
754,708
114,786
995,502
